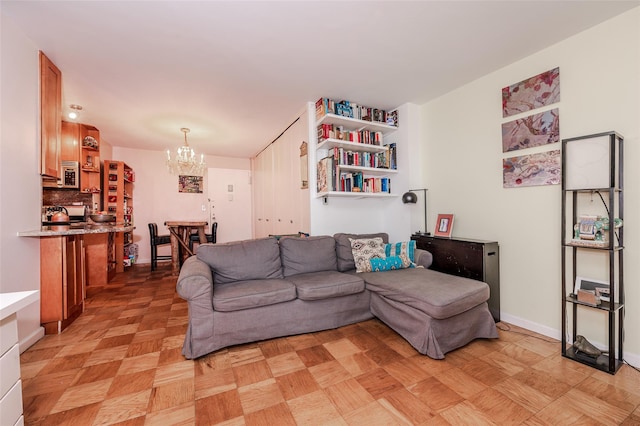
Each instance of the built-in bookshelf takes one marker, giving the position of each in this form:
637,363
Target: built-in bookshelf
353,158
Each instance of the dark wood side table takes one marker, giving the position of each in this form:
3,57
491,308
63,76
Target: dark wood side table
475,259
180,232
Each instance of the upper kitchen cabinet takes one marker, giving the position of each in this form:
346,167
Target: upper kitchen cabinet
70,142
50,117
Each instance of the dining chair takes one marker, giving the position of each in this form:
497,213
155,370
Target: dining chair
211,238
157,240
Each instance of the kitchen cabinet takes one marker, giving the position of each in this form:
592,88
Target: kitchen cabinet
70,142
100,260
62,281
50,117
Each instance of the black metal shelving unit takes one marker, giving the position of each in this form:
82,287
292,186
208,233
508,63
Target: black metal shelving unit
595,147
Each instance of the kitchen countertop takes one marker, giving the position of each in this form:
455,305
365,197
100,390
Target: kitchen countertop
76,229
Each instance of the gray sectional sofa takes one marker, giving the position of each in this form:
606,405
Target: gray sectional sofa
260,289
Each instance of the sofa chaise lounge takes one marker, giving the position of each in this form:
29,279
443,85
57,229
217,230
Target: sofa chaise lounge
260,289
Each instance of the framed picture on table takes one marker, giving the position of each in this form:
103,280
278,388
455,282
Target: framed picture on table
444,224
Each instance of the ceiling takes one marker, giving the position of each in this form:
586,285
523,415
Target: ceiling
237,73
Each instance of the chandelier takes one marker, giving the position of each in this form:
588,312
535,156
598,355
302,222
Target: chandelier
183,161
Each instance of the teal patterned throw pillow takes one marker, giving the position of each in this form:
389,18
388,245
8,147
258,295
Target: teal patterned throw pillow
405,250
388,264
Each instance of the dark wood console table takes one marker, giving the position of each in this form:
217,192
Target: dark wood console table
475,259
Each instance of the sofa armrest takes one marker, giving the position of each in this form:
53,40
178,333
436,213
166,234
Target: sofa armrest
195,280
195,285
423,258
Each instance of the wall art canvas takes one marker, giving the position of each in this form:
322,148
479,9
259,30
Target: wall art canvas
534,130
190,184
535,92
532,170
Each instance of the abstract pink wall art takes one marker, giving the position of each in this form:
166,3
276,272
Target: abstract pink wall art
535,92
534,130
532,170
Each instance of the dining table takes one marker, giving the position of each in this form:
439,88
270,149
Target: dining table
180,232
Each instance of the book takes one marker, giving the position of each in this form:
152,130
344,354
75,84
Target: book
325,175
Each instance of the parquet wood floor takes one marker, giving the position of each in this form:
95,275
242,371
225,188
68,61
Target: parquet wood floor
120,364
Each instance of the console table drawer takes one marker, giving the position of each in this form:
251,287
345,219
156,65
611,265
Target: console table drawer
11,406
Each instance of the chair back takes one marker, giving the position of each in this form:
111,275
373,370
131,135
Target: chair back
153,232
214,231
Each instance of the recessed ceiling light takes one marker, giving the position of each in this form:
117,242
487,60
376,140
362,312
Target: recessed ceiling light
75,111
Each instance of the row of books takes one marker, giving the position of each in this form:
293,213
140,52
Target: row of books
356,182
331,178
333,131
353,110
345,157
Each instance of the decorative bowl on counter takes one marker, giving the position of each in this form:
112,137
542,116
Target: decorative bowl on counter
102,218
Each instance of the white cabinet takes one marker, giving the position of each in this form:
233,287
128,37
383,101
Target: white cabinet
281,206
10,383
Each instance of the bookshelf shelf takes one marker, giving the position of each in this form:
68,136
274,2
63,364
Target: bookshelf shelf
370,171
359,124
356,146
343,194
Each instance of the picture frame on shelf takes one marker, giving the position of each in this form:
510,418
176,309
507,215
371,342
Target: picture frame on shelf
444,225
597,287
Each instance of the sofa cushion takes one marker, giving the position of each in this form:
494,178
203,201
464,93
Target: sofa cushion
304,255
325,284
343,248
251,294
404,250
364,250
436,294
242,260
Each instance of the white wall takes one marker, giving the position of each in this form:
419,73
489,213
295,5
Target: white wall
156,197
600,91
20,192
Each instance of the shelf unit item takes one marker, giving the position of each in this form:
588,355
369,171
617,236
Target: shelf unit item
118,184
592,171
90,163
353,159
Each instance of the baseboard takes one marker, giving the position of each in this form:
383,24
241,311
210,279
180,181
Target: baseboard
631,358
31,339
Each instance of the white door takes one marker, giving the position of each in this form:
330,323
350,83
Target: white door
229,192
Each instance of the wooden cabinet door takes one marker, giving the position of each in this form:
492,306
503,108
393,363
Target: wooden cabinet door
70,142
50,117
